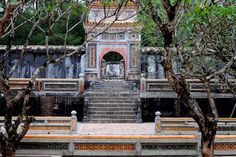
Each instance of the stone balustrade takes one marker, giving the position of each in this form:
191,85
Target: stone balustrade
51,125
49,86
170,138
226,126
160,88
123,145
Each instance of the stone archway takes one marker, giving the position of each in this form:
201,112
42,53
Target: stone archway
112,66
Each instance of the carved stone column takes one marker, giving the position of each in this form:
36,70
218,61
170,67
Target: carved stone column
81,83
142,84
85,109
139,111
73,121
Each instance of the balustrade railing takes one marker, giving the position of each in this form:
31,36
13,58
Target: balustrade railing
194,85
50,85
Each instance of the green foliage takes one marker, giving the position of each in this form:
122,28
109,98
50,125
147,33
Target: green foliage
151,35
211,19
12,1
210,25
194,15
48,13
172,2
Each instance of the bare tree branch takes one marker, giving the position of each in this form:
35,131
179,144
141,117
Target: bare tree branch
24,47
7,15
222,70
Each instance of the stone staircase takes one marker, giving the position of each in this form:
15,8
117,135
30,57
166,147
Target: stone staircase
113,101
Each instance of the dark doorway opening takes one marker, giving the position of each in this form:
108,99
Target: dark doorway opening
112,66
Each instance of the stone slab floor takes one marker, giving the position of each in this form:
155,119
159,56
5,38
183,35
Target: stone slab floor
116,128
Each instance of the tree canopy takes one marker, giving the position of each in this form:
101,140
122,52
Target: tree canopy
201,34
66,15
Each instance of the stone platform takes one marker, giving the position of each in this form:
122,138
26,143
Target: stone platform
178,137
116,129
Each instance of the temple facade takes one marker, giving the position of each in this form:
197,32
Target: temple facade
113,51
114,42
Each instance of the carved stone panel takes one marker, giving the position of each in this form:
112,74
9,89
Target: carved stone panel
225,146
111,146
112,70
164,146
44,146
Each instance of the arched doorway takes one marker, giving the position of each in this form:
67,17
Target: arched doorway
112,66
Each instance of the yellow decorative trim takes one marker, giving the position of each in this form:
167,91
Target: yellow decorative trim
105,146
111,136
224,146
179,128
49,128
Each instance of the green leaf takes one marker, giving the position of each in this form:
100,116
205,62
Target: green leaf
172,2
13,1
1,7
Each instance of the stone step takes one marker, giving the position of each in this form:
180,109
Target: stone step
129,103
118,88
111,90
111,102
110,85
111,113
110,82
112,106
121,94
109,110
114,98
111,96
92,101
110,120
118,109
112,117
107,88
114,93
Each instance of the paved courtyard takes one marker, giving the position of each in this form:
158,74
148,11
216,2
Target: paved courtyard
116,128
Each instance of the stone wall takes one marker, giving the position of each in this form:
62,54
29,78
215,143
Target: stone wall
67,68
50,106
168,107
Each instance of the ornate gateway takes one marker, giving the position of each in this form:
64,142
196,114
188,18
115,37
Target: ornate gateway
107,35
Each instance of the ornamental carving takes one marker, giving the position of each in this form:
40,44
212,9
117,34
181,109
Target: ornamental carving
226,128
163,146
124,147
44,146
112,70
225,146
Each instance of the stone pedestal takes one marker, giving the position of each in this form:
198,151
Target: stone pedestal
73,121
142,83
158,122
81,82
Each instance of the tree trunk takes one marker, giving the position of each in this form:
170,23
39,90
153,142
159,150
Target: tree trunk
207,148
208,137
8,152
